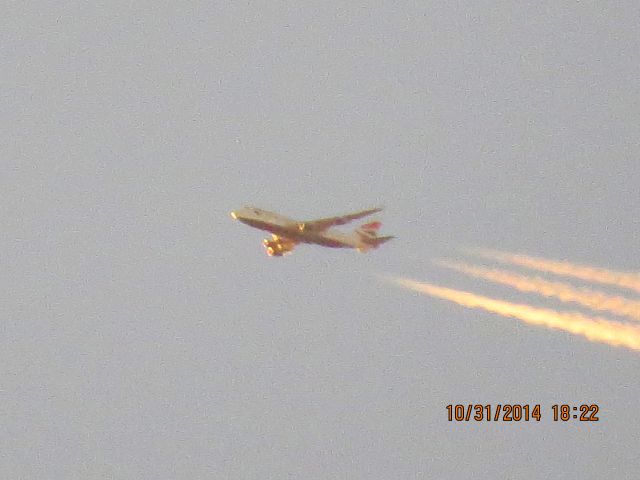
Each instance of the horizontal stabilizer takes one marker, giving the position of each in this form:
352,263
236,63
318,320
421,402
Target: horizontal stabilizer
381,240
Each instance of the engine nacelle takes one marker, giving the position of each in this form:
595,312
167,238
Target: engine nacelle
278,246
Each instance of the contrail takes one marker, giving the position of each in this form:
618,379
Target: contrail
583,296
627,280
595,329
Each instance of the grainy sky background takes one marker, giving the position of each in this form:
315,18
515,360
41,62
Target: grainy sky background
147,335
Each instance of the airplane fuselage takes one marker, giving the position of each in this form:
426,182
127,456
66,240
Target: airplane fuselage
289,228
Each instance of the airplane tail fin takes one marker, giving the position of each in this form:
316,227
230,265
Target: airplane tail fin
369,229
368,235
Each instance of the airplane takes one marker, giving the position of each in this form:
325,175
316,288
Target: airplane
286,232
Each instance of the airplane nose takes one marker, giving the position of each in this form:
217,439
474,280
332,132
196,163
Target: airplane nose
233,215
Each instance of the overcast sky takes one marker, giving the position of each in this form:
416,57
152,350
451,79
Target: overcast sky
145,334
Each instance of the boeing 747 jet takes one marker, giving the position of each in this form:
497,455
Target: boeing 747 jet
286,233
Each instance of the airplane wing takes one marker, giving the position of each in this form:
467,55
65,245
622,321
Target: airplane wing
324,223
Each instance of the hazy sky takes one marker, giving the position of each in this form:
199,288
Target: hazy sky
147,335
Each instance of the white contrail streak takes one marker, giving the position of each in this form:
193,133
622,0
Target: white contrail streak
626,280
586,297
595,329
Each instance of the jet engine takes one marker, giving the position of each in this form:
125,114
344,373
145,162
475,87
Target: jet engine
277,246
